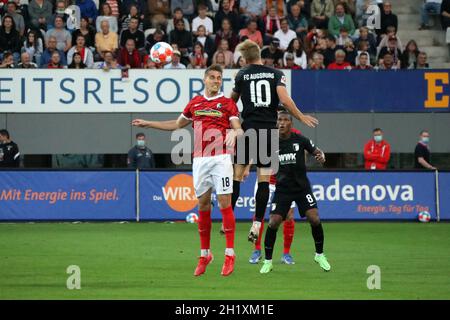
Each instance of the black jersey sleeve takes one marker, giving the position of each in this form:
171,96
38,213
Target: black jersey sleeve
280,78
308,145
238,82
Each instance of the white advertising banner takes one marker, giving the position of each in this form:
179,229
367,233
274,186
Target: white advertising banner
89,90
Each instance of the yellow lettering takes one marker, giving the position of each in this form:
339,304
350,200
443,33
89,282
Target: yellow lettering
434,90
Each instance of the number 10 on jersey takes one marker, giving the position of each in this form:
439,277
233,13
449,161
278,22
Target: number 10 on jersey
257,88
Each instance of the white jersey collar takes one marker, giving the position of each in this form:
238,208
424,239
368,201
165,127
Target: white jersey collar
213,98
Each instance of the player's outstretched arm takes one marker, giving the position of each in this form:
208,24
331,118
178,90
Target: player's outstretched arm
319,155
168,125
182,121
289,104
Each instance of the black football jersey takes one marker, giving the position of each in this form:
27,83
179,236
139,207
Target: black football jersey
257,86
291,174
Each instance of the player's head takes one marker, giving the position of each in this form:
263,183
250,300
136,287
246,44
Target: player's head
250,51
284,122
213,79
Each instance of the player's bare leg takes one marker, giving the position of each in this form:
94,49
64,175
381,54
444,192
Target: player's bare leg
261,199
239,171
229,226
317,232
204,230
288,234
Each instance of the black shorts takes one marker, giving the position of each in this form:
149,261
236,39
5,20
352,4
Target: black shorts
255,147
282,201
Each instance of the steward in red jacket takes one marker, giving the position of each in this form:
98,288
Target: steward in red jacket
377,152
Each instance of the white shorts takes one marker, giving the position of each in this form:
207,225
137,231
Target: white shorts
214,172
272,189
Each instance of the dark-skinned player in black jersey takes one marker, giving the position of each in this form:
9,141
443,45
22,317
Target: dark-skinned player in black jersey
293,185
261,90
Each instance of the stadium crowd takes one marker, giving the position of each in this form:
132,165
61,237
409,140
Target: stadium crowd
293,34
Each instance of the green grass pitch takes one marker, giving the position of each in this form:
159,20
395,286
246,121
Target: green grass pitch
157,260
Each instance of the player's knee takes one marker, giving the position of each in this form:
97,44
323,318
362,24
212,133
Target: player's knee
204,205
313,217
238,173
224,201
275,221
315,221
238,177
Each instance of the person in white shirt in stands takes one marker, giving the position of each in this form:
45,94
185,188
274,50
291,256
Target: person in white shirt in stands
295,47
106,14
202,19
285,35
175,64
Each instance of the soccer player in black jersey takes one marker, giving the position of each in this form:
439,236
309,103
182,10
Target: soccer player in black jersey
261,90
293,185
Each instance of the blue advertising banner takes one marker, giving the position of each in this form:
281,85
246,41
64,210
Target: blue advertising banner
371,91
171,196
68,195
444,195
340,195
374,195
111,195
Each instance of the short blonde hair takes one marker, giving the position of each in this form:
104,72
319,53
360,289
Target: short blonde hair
250,51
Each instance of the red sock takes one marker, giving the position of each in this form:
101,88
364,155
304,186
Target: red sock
261,231
288,231
204,229
229,225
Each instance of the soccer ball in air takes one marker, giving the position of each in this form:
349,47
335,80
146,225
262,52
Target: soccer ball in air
424,216
161,52
192,218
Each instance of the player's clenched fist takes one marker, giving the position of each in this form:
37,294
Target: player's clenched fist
320,156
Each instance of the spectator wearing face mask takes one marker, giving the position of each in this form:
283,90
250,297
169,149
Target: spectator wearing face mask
140,156
422,152
376,152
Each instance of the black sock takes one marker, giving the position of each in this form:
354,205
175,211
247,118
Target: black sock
269,242
317,233
236,191
261,198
